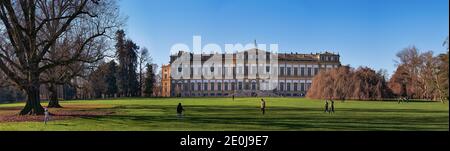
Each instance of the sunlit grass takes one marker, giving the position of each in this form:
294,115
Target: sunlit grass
223,114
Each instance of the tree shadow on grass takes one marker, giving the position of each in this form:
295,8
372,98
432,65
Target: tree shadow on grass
276,124
281,118
224,109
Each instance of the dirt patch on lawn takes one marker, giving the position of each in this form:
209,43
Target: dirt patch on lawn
10,114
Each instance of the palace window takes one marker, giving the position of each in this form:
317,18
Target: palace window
289,71
302,71
219,86
226,86
309,71
295,86
185,87
302,86
281,86
288,86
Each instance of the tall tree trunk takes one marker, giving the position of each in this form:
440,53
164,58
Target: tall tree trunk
33,104
53,100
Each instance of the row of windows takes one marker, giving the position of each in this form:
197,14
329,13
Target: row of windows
302,94
301,71
329,58
267,57
212,86
289,71
203,94
240,86
294,86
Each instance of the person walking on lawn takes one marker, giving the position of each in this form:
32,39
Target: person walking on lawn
46,116
180,110
263,106
332,107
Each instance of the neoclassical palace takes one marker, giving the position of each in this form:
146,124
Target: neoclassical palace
252,72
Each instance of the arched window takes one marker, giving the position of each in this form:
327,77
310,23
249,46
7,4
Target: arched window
212,68
281,86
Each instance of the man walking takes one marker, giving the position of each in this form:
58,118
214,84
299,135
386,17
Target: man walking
326,106
46,115
332,106
263,106
180,110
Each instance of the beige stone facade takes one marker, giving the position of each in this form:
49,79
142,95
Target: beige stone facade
236,73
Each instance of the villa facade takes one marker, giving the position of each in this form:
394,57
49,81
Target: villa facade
247,73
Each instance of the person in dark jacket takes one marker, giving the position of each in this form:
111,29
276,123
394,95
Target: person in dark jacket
263,106
326,106
180,110
332,106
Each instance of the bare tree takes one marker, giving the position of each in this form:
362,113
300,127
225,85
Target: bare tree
346,83
411,60
144,58
157,86
421,75
33,27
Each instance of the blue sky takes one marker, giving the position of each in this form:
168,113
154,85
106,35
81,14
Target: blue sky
364,32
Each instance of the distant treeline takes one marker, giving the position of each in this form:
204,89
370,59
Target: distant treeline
130,74
10,94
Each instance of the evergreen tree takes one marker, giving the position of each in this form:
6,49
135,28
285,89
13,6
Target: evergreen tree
127,55
121,55
149,81
110,79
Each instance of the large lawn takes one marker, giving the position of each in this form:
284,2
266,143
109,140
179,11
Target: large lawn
222,114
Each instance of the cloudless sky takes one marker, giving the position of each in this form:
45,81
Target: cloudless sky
364,32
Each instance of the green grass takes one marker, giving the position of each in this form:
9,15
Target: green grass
223,114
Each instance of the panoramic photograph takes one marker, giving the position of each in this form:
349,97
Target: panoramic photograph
224,65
